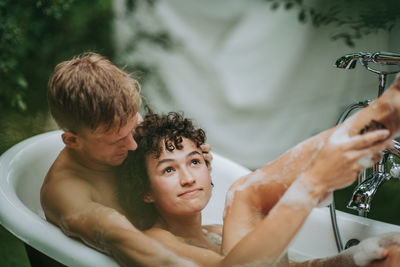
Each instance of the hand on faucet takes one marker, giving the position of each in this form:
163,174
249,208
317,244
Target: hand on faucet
336,165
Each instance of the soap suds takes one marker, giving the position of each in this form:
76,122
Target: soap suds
341,133
367,252
326,202
298,195
254,179
366,161
260,177
372,248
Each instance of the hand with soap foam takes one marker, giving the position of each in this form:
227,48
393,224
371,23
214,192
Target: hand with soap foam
378,251
336,165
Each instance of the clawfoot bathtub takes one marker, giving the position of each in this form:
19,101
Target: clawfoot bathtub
23,167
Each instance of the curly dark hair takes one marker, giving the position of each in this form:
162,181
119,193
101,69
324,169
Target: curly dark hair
157,131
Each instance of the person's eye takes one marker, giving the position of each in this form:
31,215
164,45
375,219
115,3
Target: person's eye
168,170
195,162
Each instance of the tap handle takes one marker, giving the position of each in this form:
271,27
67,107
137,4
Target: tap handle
395,169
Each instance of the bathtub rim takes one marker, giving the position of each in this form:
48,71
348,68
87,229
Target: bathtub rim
21,216
15,222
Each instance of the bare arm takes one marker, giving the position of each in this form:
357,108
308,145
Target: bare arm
67,203
268,184
269,236
385,111
267,233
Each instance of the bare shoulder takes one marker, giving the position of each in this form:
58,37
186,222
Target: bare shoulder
165,237
159,233
63,174
63,191
60,183
199,254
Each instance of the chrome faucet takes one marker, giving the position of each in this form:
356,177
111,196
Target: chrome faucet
384,58
380,58
365,191
367,187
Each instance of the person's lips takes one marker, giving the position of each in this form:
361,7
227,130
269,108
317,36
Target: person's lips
190,193
122,155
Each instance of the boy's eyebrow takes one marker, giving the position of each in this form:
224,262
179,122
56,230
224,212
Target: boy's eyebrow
194,152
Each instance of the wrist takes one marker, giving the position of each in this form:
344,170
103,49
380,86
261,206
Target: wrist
302,194
317,189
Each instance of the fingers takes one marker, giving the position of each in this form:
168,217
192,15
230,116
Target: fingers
368,139
376,149
208,157
385,252
369,156
205,148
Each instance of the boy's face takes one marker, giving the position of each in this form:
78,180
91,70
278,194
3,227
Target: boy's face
180,180
109,148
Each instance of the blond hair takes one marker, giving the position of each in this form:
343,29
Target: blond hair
90,91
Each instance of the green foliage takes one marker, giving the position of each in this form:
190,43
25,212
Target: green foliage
352,18
35,35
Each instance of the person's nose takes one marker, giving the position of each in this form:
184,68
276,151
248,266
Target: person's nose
186,177
131,143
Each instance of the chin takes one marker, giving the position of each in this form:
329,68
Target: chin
116,163
198,208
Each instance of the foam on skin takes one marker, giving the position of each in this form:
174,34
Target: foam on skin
366,161
254,179
99,232
372,248
298,195
260,177
341,134
362,254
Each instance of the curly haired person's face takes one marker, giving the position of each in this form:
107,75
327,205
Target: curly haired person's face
180,181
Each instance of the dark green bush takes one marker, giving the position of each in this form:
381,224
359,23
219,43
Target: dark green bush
35,35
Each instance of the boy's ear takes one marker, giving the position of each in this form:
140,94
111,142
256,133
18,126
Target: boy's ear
148,198
70,139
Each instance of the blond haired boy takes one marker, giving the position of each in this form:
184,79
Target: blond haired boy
96,105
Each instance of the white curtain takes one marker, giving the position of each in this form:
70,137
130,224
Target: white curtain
256,79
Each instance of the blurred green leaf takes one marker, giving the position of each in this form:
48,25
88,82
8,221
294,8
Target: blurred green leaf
353,19
36,35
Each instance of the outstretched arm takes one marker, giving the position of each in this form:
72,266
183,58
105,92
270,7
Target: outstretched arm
269,232
253,196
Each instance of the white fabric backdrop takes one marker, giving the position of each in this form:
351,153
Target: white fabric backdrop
256,80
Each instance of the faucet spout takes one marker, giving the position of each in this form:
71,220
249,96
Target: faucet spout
364,192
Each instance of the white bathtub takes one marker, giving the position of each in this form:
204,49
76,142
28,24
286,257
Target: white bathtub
23,167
